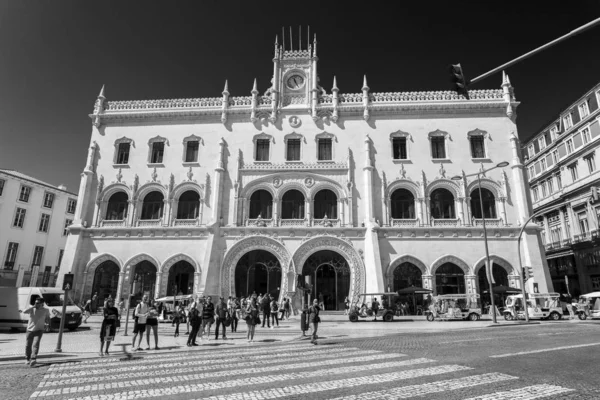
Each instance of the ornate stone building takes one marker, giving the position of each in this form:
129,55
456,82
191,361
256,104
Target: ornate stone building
234,195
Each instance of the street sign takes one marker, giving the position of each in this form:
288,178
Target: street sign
68,282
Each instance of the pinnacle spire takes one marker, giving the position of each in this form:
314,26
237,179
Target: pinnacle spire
254,87
334,83
225,89
505,78
365,87
101,92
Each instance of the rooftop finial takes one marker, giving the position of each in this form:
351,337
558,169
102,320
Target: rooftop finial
291,43
226,89
365,87
315,46
101,92
334,84
254,87
276,42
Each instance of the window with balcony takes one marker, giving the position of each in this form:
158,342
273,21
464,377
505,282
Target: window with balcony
261,203
573,170
152,206
71,206
489,204
293,149
442,204
38,253
188,206
584,109
399,150
1,186
116,209
292,205
262,149
44,223
325,149
402,204
568,121
19,219
24,193
11,255
68,223
48,200
191,151
583,223
590,160
438,147
122,156
325,204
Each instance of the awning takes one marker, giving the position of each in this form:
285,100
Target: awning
557,255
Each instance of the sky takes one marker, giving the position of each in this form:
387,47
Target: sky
56,55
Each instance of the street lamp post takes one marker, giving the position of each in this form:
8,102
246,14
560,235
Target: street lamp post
488,266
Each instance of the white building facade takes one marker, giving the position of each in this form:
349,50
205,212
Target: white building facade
34,217
235,195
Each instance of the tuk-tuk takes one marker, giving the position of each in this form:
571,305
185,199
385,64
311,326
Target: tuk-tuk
588,306
361,307
454,307
539,306
167,314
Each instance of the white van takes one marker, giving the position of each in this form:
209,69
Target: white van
14,300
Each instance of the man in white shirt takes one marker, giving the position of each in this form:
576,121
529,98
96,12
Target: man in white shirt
141,313
39,317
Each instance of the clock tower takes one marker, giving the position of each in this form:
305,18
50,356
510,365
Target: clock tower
294,83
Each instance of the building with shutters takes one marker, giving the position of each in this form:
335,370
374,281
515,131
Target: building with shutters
563,176
34,217
232,195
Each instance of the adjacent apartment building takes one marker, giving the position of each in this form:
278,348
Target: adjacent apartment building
562,166
232,195
34,217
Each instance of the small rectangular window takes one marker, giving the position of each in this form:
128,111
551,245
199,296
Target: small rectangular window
585,134
555,156
158,149
19,219
553,132
550,186
24,194
591,162
71,205
559,182
535,194
293,149
573,170
325,153
1,186
438,147
37,255
543,164
531,172
48,200
531,151
543,185
542,143
399,148
68,223
569,146
584,109
568,121
123,153
44,223
583,222
477,147
262,149
11,255
191,151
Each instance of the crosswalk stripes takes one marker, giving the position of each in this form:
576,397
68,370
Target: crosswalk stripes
278,371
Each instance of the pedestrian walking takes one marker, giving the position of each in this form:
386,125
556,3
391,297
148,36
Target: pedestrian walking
321,301
314,319
109,298
187,319
152,325
569,306
177,310
375,308
252,318
304,320
221,313
141,312
346,306
208,317
287,308
109,326
274,312
121,307
87,311
95,303
266,308
194,318
234,311
39,318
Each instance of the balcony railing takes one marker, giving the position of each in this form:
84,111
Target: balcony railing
113,223
587,236
562,244
293,222
445,222
186,222
326,222
493,222
260,222
149,222
405,223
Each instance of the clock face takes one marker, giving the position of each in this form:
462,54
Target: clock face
295,81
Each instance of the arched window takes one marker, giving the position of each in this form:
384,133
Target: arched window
188,205
152,208
116,209
489,203
261,203
402,204
292,205
442,204
325,204
449,279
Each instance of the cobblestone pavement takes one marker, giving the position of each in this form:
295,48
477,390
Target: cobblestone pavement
548,361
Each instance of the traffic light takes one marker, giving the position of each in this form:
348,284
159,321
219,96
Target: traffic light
68,282
457,77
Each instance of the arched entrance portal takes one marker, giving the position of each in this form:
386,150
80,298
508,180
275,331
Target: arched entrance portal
330,278
407,275
106,279
144,280
500,278
449,279
259,272
181,279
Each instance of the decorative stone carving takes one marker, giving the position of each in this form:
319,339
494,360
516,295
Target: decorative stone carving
119,175
294,121
136,183
277,182
171,183
309,182
190,174
154,175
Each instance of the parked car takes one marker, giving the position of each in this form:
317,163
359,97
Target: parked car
588,306
455,307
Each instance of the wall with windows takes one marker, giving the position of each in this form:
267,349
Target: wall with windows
33,220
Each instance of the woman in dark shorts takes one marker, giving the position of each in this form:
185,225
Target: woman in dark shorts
152,325
109,326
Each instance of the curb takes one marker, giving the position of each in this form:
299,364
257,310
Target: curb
514,324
